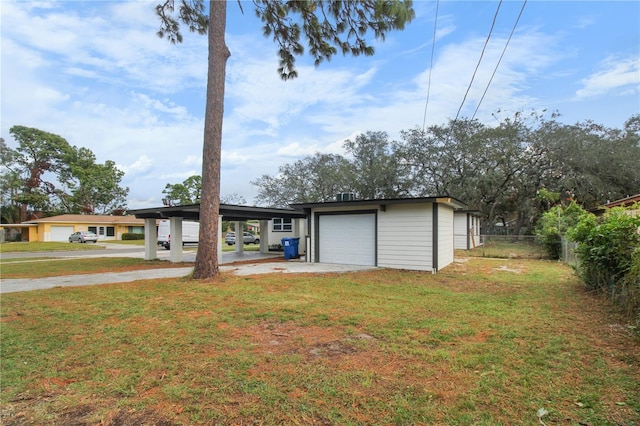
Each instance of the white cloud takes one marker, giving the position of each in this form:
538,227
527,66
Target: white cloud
142,164
617,76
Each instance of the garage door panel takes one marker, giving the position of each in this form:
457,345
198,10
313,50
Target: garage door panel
348,239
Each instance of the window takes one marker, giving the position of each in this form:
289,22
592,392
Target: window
282,225
101,230
136,229
93,229
111,231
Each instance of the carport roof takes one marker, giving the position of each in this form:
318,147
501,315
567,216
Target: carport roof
228,211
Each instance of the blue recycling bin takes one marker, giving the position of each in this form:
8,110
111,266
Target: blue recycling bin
290,246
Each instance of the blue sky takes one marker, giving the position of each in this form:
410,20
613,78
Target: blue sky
95,73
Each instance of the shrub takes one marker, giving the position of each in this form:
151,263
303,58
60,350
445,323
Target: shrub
609,254
131,236
554,224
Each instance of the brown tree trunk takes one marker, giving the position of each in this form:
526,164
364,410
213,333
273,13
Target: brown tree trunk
207,266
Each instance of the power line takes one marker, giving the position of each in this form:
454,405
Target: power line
433,46
495,16
500,60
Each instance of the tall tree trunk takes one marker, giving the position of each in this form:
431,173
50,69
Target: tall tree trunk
207,265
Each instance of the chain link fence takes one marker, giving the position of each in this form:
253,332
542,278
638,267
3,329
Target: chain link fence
568,254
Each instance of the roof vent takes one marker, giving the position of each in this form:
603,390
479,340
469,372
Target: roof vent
345,196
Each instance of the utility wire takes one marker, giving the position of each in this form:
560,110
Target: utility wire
500,60
433,47
495,16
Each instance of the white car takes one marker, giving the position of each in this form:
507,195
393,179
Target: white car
83,237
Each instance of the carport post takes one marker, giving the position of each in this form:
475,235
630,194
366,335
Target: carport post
264,236
150,239
220,240
175,230
239,237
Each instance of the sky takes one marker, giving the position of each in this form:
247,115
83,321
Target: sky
96,73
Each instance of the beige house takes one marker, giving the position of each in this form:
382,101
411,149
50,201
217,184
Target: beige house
58,228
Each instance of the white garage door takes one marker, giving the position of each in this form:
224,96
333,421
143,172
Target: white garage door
348,239
60,233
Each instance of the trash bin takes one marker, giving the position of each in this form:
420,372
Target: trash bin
290,246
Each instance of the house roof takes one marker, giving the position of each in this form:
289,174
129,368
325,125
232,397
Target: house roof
623,202
89,218
453,202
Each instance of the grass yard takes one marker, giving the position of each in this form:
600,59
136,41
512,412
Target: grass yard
47,267
47,246
523,247
483,342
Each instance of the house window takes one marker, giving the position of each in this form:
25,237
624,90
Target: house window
101,230
136,230
111,231
282,225
93,229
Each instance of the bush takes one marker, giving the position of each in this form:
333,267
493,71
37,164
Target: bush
130,236
609,254
554,224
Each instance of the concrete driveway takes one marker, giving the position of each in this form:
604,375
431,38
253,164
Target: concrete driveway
228,259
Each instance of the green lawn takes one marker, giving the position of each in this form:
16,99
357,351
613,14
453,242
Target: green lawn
47,267
483,342
47,246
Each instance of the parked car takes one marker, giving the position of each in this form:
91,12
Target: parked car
248,238
83,237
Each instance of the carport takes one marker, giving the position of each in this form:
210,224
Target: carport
229,212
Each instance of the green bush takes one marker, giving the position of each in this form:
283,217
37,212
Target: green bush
609,254
555,223
131,236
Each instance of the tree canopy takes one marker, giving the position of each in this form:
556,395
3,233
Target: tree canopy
512,172
46,174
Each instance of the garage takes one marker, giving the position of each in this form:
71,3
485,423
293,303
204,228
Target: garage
60,233
347,238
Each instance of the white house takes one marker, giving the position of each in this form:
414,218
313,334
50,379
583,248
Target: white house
406,233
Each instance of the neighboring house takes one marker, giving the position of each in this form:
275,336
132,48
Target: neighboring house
407,233
624,202
466,229
58,228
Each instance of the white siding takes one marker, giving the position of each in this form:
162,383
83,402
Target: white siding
445,235
460,230
405,237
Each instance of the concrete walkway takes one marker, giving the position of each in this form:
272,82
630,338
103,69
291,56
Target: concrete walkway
293,266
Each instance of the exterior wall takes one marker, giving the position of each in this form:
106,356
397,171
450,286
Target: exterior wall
476,239
466,228
461,230
299,230
405,237
445,235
